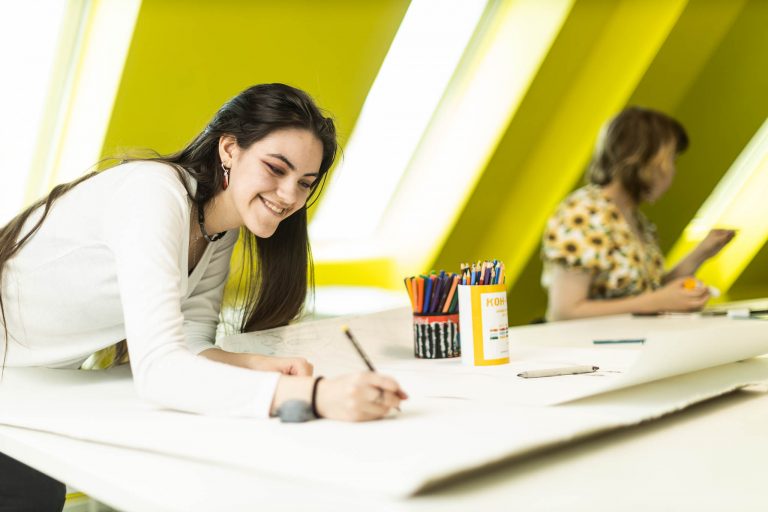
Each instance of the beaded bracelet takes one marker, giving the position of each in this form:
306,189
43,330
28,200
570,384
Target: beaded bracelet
314,397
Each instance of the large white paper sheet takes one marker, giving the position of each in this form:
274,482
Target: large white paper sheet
459,418
432,439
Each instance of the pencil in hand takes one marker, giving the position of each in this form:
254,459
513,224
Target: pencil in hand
359,349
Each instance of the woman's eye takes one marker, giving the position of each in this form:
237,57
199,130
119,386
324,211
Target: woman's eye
275,170
305,185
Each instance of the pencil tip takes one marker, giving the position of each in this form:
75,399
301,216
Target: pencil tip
344,328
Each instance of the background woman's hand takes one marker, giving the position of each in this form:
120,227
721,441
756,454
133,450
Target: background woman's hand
674,296
714,242
358,397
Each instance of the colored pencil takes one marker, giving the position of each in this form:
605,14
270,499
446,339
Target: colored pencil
427,295
420,292
451,293
409,287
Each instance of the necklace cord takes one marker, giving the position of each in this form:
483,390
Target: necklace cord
201,222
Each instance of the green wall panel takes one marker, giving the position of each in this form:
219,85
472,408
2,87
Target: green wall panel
753,282
722,110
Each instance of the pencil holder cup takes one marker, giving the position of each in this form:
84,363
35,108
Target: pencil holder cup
436,336
484,324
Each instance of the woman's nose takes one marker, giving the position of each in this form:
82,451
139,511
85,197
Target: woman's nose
287,192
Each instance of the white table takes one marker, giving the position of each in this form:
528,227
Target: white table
708,457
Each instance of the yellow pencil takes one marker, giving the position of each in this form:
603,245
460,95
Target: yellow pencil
409,287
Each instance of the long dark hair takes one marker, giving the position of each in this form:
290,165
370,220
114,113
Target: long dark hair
627,145
276,270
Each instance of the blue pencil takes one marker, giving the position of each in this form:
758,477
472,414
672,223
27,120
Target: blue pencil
427,296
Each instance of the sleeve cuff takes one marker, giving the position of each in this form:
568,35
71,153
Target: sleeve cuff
197,346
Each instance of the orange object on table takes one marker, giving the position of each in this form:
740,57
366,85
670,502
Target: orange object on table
690,283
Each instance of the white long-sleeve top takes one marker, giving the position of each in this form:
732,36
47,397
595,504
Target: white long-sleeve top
110,263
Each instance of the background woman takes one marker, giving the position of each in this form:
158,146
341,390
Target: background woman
601,254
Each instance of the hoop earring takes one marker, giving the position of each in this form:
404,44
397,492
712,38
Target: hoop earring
226,175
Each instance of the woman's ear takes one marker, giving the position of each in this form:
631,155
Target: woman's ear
648,175
227,149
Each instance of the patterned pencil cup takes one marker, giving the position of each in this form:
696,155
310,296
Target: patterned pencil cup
436,336
484,324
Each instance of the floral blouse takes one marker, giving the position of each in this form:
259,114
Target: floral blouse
588,232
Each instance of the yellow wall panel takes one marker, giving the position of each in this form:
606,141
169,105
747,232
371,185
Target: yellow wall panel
188,57
594,66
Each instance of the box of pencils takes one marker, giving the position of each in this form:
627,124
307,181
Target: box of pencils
483,314
435,315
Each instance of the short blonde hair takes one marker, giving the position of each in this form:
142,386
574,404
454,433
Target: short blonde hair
627,145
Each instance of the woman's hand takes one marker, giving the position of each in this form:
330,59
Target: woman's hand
285,365
358,397
714,242
675,296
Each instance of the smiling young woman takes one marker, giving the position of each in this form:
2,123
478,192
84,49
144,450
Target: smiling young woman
140,252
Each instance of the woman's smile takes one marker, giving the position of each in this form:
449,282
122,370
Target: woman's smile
272,207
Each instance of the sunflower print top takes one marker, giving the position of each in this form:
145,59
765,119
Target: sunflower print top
588,232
